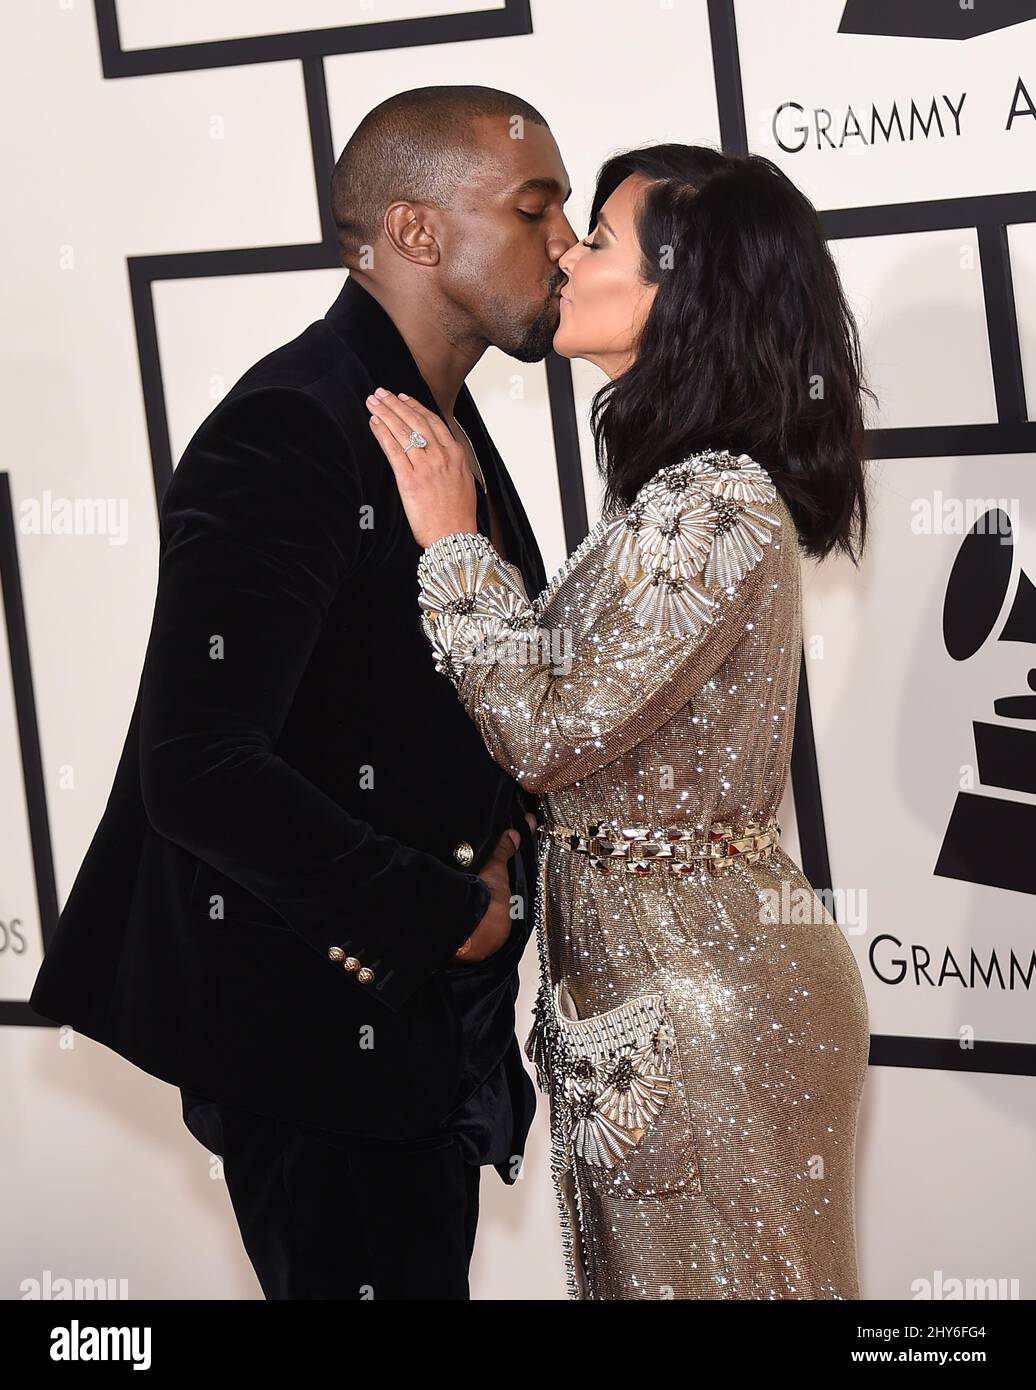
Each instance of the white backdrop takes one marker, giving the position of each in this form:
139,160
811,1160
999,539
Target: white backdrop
182,141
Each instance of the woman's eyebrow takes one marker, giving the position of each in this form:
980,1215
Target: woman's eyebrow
606,225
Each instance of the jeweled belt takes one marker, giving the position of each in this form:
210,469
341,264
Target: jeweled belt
637,849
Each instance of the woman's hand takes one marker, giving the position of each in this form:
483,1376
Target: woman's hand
435,483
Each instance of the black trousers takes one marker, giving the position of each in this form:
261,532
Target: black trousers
324,1215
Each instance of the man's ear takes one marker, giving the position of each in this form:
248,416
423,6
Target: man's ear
410,231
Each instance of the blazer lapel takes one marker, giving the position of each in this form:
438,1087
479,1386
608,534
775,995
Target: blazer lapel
357,317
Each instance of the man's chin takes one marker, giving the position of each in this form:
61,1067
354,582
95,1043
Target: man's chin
527,353
539,339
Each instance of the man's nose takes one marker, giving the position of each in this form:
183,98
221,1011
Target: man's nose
562,239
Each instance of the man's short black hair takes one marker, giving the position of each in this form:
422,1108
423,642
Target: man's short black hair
419,144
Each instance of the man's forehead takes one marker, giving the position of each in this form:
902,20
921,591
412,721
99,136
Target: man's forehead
511,166
500,180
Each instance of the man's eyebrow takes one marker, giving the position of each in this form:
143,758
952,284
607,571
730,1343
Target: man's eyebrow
541,185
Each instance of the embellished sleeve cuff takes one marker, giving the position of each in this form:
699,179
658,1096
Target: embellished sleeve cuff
470,598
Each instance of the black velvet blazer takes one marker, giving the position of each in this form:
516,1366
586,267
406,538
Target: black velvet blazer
297,777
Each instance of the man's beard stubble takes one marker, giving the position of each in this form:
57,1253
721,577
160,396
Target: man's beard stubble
528,342
539,336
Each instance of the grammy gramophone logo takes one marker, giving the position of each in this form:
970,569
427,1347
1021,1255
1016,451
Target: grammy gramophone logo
933,19
991,839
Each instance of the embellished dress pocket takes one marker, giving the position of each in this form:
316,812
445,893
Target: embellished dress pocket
619,1110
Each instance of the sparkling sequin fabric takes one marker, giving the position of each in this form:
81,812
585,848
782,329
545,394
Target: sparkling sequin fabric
702,1037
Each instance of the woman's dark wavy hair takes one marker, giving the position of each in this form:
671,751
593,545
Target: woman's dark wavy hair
749,344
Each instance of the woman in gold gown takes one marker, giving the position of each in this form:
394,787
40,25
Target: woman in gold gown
703,1048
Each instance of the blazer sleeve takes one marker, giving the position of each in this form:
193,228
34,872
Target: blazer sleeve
650,612
260,530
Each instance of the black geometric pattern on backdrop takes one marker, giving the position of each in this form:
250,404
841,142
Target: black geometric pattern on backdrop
1011,433
33,789
933,19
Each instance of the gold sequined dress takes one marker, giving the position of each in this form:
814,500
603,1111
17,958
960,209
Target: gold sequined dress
701,1024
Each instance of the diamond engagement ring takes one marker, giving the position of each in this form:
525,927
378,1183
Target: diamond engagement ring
416,441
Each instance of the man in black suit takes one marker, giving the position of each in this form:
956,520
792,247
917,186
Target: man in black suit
305,827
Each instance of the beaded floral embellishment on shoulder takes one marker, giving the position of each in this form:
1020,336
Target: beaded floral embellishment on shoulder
694,525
